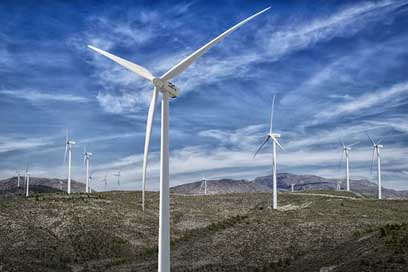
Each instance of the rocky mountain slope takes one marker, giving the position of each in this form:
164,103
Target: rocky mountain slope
331,231
9,188
301,182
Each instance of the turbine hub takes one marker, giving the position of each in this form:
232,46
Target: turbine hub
276,135
166,86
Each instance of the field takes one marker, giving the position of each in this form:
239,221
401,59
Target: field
312,231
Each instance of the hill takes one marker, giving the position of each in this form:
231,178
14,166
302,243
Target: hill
284,180
8,187
231,232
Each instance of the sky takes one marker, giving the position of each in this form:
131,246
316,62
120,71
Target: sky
337,68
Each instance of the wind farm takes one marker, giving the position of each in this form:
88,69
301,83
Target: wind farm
203,190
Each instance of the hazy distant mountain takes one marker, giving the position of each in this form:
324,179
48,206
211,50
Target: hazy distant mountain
8,187
222,186
301,182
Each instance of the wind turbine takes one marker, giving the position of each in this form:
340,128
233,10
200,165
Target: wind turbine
274,137
118,175
18,179
292,187
27,180
163,85
105,180
68,147
376,151
87,159
203,184
346,151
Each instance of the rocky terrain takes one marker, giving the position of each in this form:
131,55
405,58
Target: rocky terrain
301,182
311,231
9,188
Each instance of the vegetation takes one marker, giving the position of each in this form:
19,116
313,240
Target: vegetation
233,232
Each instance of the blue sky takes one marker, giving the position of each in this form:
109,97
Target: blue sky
338,68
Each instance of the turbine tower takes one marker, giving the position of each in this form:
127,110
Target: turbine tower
105,180
274,137
118,175
87,160
376,152
346,152
68,148
18,179
168,89
292,187
27,180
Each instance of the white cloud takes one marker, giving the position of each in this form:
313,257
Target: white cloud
371,99
8,144
38,96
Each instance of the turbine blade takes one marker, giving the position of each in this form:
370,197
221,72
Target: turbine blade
277,142
141,71
341,159
353,144
65,154
149,125
273,105
260,147
184,64
341,142
370,139
372,162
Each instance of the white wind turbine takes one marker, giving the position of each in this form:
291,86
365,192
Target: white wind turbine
274,137
27,180
87,160
346,151
376,151
18,179
204,184
163,85
68,148
118,175
105,180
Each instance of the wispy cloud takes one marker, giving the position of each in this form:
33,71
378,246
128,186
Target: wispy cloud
366,101
39,96
8,144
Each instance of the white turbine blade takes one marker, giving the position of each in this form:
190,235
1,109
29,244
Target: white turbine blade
342,143
141,71
260,147
65,153
277,142
372,162
353,144
370,139
273,105
184,64
341,158
149,125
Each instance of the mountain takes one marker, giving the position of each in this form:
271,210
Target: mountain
301,182
8,187
222,186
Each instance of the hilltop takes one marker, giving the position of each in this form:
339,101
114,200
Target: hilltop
312,231
284,181
8,187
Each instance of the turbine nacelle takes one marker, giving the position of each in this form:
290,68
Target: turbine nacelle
274,135
166,86
71,142
378,146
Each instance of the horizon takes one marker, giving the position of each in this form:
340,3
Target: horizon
337,71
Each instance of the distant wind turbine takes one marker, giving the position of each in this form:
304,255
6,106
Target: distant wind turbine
68,148
105,180
292,187
203,184
376,152
346,152
18,179
118,175
168,89
274,137
87,159
27,180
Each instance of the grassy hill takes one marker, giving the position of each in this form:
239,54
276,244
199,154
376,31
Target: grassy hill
312,231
